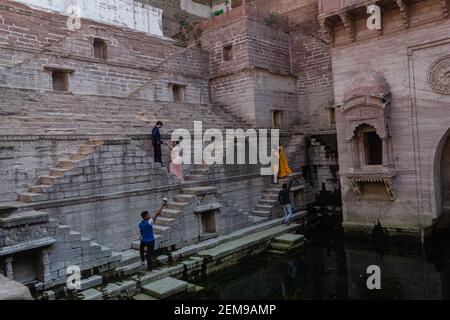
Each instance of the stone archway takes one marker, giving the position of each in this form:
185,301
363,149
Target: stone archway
445,177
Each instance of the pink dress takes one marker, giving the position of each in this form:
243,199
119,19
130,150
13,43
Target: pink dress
176,167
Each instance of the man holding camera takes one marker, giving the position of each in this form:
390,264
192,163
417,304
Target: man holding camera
147,235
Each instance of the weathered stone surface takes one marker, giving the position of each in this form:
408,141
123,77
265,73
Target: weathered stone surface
290,238
11,290
165,287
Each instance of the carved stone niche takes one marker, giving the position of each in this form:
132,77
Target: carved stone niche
366,111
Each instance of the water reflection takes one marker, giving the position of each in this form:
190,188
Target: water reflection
333,269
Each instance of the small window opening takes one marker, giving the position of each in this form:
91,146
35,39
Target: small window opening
178,92
228,53
277,119
60,80
100,49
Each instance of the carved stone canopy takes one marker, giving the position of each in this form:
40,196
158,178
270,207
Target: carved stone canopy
367,101
367,83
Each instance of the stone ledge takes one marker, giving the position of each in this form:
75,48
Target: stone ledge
140,192
27,245
21,218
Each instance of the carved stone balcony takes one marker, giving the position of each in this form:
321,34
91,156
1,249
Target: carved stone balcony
345,13
384,180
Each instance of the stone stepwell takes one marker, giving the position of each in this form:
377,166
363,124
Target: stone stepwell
205,258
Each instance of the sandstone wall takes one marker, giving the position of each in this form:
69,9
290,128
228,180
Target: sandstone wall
32,43
419,118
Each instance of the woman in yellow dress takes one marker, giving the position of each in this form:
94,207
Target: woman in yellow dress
284,169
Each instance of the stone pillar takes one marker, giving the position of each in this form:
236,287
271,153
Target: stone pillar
385,152
9,268
354,151
45,265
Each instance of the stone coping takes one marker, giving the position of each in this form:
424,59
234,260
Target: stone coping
27,245
207,208
23,218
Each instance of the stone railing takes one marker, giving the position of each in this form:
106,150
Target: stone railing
245,10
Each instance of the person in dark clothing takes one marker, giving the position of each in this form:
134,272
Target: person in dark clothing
147,235
284,198
157,142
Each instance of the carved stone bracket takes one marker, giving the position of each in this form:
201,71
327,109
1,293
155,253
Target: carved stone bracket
327,30
387,179
349,24
404,12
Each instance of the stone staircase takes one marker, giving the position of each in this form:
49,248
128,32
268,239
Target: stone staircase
65,167
72,173
30,112
62,244
294,149
268,205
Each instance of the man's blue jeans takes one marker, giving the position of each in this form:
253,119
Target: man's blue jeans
287,208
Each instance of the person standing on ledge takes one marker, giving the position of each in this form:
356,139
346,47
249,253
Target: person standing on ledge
157,142
284,197
147,236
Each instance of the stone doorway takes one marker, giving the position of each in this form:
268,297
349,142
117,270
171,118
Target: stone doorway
445,176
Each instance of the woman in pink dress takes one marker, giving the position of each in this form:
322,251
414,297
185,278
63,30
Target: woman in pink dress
176,166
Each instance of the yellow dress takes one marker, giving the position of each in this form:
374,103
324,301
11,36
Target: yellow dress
284,170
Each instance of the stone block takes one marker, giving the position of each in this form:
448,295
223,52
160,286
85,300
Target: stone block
165,287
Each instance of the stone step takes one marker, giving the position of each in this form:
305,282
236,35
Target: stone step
47,180
29,197
131,268
76,156
87,149
66,164
161,229
129,257
171,213
165,287
261,213
290,239
162,221
177,205
270,196
40,188
261,207
58,172
268,202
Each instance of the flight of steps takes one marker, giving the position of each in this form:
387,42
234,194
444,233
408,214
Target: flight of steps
164,224
39,192
30,112
268,203
293,149
99,255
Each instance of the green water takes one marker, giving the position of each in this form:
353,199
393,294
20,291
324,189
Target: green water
330,269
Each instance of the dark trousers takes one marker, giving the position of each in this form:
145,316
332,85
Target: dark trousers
157,152
150,246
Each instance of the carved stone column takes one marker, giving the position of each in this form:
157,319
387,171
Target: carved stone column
386,161
45,265
9,268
